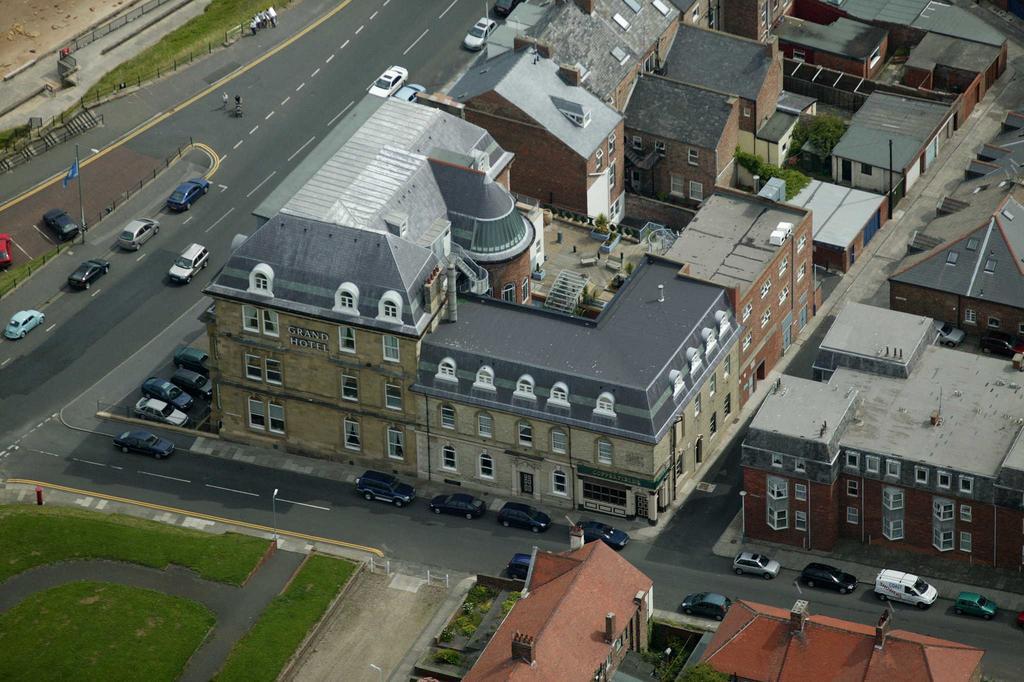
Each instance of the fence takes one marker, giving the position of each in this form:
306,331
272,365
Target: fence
114,24
15,276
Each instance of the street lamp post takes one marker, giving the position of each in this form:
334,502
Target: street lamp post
273,509
380,671
743,516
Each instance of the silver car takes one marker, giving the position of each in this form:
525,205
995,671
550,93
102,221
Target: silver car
136,233
757,564
948,335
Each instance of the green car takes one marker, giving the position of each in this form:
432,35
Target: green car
974,604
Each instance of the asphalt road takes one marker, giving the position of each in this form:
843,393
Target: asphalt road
291,100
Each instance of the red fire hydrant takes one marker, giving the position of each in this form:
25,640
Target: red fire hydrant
39,494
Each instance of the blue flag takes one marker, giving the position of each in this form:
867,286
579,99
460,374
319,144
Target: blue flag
72,174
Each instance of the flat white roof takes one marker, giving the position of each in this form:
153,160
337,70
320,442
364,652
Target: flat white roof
839,213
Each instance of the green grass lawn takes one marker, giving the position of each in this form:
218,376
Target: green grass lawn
100,631
196,37
263,652
32,536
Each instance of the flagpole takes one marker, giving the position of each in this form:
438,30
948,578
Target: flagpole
81,204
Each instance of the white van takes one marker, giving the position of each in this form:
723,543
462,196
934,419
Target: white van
905,587
191,261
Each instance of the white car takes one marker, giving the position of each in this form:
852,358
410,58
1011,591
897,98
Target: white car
158,411
478,35
389,82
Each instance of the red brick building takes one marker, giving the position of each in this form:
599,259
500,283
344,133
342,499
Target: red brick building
579,615
568,144
844,45
877,455
766,643
752,18
760,252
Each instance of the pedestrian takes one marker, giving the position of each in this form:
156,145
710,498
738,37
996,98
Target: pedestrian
263,20
252,25
273,17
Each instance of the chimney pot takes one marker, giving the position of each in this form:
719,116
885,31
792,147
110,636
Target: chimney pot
522,647
575,538
882,629
798,616
609,627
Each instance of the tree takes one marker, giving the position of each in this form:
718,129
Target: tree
823,131
703,672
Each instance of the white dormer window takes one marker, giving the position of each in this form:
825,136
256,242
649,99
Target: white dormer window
484,378
446,370
524,387
723,323
605,405
573,111
390,307
710,342
678,381
261,280
559,394
661,7
346,299
693,357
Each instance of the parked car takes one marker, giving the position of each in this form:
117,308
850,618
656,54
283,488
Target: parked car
409,92
1020,619
503,8
948,335
519,566
197,385
5,250
706,604
829,577
159,411
145,442
459,504
974,604
187,193
187,357
756,564
22,323
905,587
523,516
136,233
377,485
189,263
155,387
59,221
613,537
478,35
88,272
389,82
1001,343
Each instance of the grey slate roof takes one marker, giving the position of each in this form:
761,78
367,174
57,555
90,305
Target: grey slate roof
776,127
792,103
908,122
1003,157
838,213
535,88
727,242
842,37
617,353
996,245
718,61
311,259
578,38
936,17
935,49
676,111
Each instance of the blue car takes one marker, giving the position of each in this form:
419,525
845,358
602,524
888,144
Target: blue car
613,537
187,193
22,323
161,389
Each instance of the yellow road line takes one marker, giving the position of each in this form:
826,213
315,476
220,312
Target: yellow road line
159,118
199,515
214,157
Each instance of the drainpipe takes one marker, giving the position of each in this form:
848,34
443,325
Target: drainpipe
453,305
995,534
429,455
572,469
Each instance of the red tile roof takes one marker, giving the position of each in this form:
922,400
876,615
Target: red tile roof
754,643
569,595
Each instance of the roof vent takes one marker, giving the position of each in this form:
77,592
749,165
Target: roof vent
661,7
621,21
397,222
780,234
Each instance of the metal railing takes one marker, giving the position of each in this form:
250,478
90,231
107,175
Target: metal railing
91,36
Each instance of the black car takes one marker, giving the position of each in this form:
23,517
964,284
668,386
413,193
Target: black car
88,272
161,389
829,577
459,504
503,8
519,566
60,222
194,383
376,485
145,442
523,516
193,359
707,604
1001,343
613,537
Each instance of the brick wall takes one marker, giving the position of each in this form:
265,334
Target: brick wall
953,308
512,271
820,507
644,209
768,96
742,17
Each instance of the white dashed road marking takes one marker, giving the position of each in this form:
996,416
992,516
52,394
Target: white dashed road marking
328,60
50,328
219,219
169,478
254,128
301,85
338,115
285,100
238,144
342,46
359,30
88,461
232,490
425,32
441,16
140,258
313,75
267,117
373,16
295,153
303,504
253,190
187,220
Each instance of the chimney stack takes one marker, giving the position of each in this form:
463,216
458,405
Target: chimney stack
453,303
882,629
575,538
570,75
661,293
798,616
522,647
586,5
609,627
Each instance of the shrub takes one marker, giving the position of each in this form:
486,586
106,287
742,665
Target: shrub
448,656
507,605
479,593
703,672
446,635
794,179
823,130
465,626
